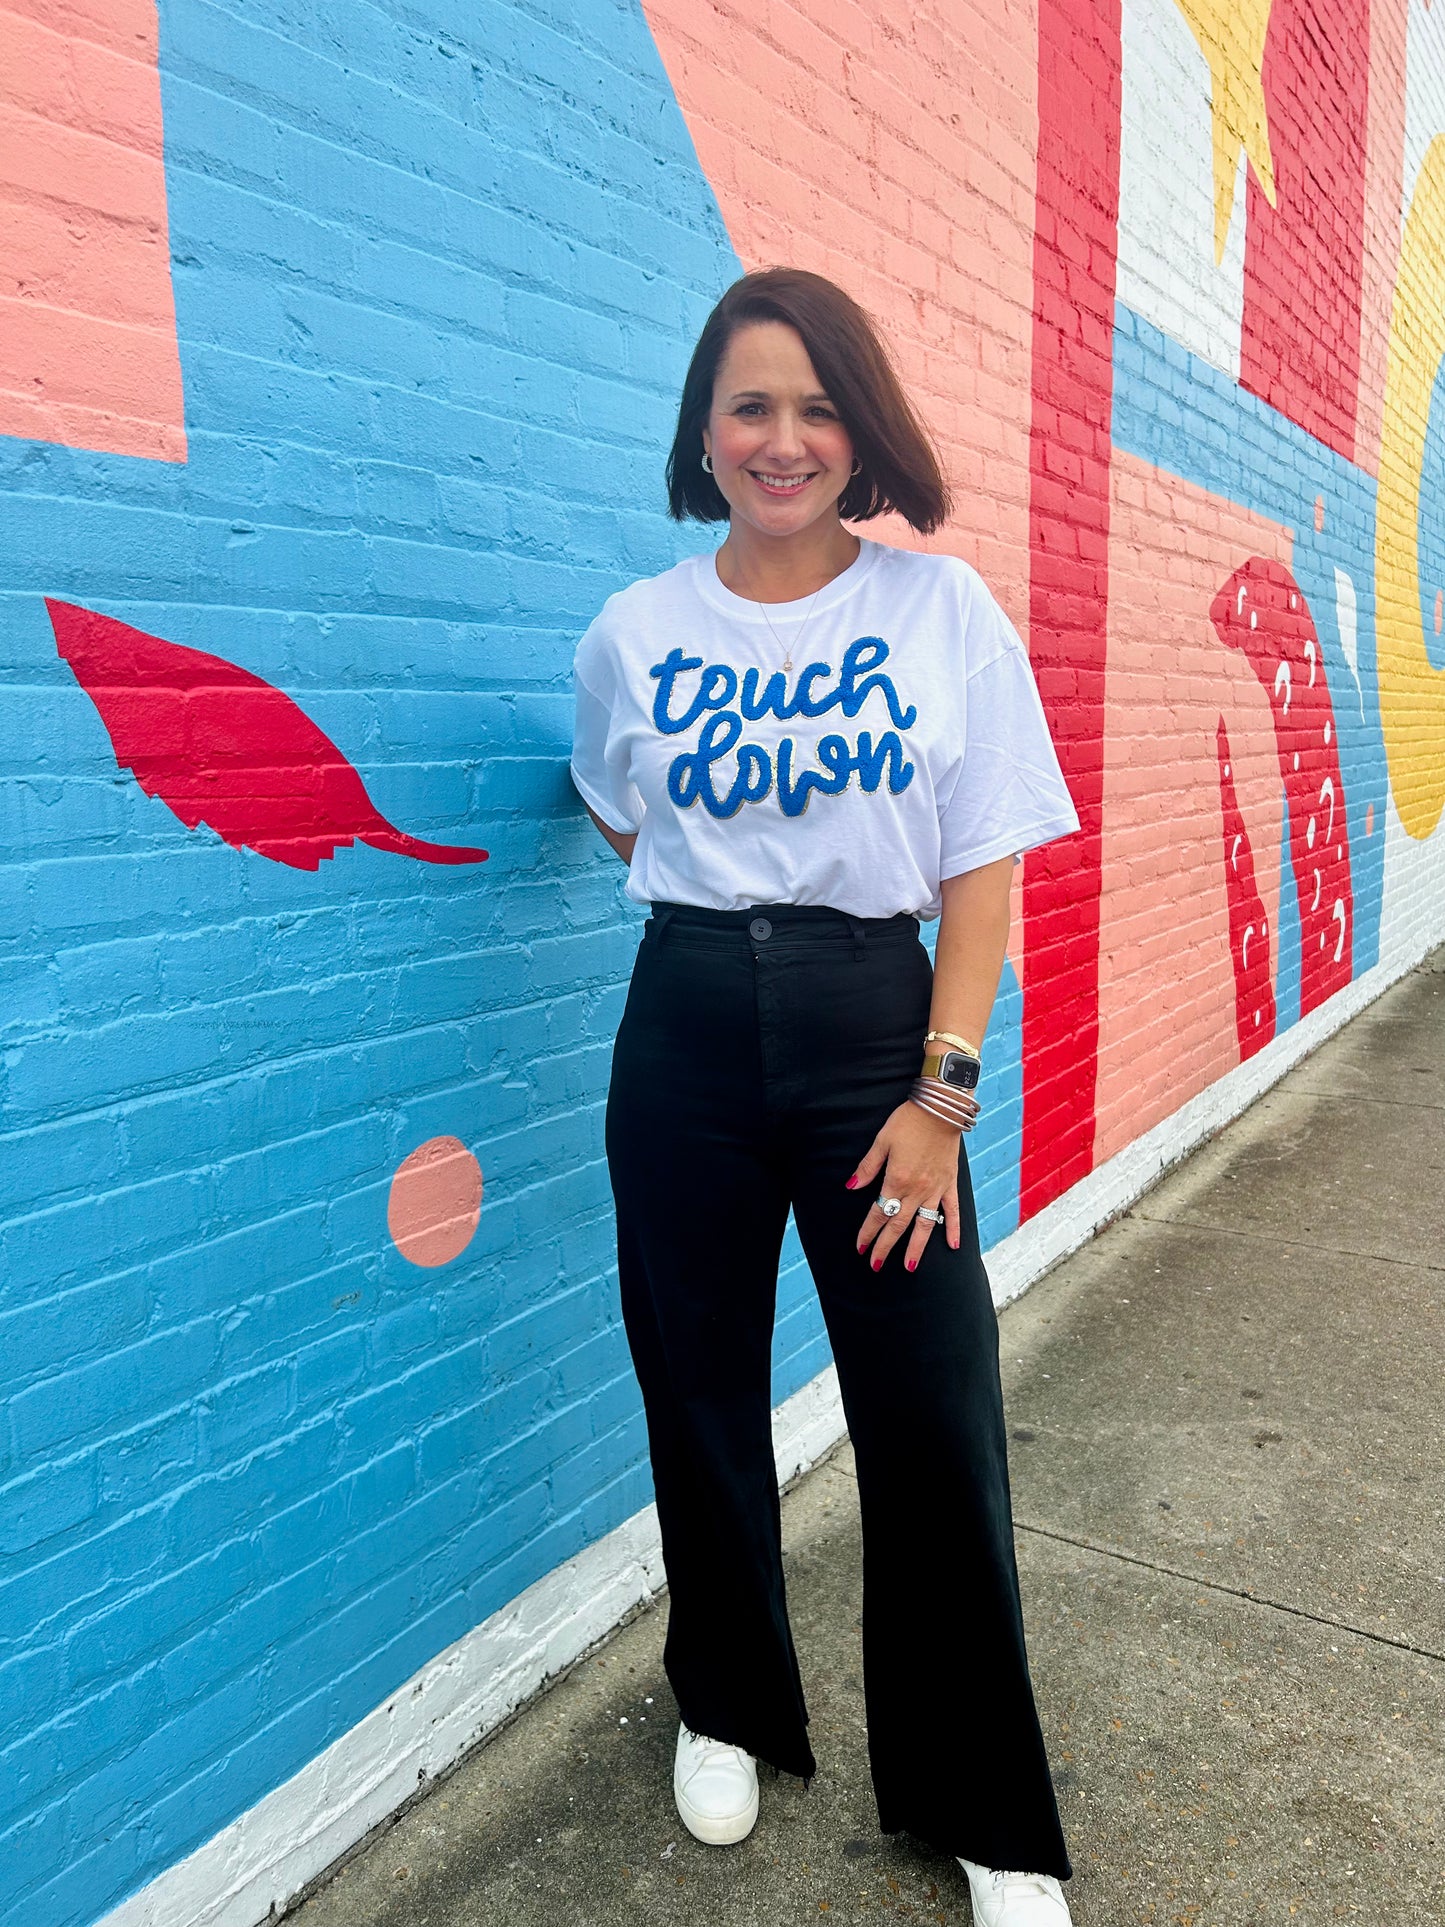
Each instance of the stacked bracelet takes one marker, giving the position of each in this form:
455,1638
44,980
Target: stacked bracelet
945,1101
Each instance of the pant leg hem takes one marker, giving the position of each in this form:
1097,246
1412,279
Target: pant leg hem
956,1842
783,1759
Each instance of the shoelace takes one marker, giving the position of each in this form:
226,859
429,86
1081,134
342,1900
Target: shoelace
712,1747
1034,1881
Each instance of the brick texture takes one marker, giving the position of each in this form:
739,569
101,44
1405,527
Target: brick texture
344,345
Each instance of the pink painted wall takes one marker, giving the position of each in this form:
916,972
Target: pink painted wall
88,351
845,138
1166,982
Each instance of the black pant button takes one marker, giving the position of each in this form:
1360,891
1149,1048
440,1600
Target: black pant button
760,929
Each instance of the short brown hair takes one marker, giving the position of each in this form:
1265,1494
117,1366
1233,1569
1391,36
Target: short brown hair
899,466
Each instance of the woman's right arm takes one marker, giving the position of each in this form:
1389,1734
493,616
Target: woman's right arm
621,840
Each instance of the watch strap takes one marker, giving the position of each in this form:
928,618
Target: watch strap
958,1043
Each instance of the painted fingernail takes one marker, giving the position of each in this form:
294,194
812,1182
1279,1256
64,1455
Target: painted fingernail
911,1264
877,1264
851,1183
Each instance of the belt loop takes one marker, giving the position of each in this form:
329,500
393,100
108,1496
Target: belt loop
860,935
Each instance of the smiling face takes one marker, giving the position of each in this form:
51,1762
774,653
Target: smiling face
781,456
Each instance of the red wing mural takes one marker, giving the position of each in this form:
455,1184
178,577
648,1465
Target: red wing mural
222,747
1254,1014
1262,612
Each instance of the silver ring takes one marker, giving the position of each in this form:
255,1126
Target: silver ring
890,1207
933,1217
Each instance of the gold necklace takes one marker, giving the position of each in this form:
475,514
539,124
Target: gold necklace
788,651
788,648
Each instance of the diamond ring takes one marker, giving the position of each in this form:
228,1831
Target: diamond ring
890,1207
933,1217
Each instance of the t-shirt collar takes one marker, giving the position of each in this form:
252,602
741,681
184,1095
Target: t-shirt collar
742,608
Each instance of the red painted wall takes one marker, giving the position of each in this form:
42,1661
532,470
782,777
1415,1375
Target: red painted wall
1076,224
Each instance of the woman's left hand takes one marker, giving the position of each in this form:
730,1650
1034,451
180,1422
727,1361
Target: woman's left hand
917,1155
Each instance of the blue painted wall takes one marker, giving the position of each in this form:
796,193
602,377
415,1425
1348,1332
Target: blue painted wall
437,271
1173,409
437,274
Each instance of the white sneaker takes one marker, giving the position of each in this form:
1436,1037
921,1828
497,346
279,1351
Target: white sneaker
716,1788
1015,1899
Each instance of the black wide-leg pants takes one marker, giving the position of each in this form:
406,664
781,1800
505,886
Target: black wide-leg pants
759,1052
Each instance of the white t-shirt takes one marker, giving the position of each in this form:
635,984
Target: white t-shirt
907,745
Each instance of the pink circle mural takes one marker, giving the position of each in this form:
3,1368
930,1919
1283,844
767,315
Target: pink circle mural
435,1202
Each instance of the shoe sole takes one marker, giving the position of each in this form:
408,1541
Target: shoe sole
715,1831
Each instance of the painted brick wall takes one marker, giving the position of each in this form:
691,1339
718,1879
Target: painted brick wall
435,281
339,350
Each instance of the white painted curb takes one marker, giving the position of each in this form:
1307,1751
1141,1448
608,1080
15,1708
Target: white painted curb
1025,1255
253,1868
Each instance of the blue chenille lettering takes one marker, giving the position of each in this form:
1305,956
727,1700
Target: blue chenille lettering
836,757
667,672
718,687
865,654
693,777
839,764
774,700
689,777
871,759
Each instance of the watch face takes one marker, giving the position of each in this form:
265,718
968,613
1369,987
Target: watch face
959,1068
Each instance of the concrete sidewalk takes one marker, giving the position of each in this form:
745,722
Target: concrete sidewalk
1229,1480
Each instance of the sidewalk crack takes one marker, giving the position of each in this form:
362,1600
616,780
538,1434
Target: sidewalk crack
1231,1592
1256,1234
1360,1097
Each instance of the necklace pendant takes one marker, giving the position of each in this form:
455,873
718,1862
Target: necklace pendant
788,653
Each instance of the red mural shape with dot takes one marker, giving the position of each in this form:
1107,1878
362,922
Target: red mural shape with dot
222,747
1262,612
1254,1009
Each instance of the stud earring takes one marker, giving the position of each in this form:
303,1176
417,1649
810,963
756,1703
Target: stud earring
706,463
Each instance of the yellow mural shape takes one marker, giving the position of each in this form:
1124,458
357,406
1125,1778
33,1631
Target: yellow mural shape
1412,692
1231,38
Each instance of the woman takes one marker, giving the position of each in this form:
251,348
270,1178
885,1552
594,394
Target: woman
801,745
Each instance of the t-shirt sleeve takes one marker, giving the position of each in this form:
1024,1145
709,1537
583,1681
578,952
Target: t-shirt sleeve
599,755
1009,794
